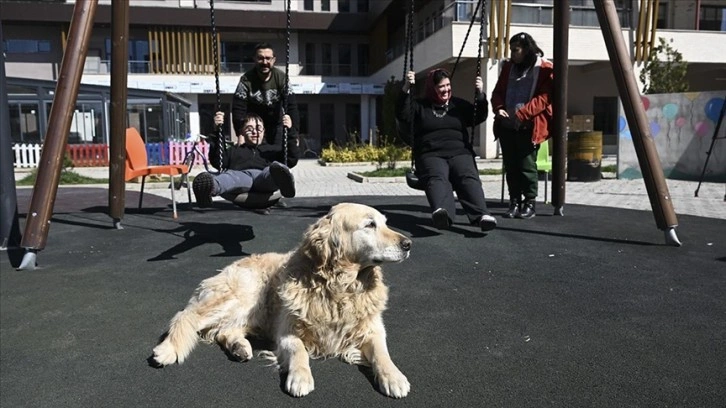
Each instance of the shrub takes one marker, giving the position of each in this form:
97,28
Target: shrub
387,153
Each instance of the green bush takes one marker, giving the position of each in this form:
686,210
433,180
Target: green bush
386,153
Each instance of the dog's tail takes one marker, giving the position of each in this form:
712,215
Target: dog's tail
180,340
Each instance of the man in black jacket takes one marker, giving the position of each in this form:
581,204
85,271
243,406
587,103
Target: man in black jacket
262,90
251,165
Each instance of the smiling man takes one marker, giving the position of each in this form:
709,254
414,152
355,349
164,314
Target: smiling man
260,91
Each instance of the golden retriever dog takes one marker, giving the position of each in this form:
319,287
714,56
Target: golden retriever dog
323,299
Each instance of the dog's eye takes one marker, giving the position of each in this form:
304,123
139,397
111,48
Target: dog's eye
371,224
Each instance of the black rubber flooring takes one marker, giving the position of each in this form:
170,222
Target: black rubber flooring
586,310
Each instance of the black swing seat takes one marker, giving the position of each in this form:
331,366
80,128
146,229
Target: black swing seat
253,200
414,182
412,179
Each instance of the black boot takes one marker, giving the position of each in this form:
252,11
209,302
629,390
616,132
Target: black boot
513,210
527,210
441,219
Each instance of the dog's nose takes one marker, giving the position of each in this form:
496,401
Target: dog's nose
406,244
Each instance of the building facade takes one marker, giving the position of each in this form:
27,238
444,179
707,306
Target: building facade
339,54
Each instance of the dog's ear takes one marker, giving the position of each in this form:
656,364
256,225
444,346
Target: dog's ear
320,243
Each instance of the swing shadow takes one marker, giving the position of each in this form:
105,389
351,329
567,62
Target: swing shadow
196,234
416,220
578,236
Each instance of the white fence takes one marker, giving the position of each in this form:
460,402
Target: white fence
27,155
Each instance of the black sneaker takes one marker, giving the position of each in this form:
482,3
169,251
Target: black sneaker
527,210
282,176
487,222
441,220
202,186
513,211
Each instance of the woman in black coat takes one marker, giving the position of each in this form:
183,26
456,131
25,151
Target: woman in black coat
442,148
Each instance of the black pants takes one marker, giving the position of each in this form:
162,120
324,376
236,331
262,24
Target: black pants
520,163
442,176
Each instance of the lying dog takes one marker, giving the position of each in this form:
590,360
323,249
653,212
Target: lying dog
323,299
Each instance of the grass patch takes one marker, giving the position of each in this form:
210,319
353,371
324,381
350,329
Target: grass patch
610,168
66,177
400,172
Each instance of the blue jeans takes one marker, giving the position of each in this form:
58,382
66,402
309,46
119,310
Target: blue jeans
243,181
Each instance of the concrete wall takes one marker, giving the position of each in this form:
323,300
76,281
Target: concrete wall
682,126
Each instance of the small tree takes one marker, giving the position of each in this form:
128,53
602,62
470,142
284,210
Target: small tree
664,76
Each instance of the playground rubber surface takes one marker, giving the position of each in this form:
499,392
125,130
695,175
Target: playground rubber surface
586,310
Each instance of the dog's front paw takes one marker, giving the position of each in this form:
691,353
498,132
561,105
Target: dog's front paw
393,383
242,350
299,383
164,354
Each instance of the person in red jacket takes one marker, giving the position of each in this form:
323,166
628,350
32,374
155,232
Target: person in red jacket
522,105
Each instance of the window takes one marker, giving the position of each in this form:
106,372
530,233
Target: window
237,56
325,5
309,59
327,55
24,123
363,6
327,123
362,59
712,18
27,46
464,9
344,59
662,15
308,5
344,6
352,122
138,55
302,127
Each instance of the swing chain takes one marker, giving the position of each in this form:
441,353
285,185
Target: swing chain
478,65
215,51
409,56
283,101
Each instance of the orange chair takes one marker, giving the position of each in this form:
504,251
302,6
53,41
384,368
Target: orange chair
137,165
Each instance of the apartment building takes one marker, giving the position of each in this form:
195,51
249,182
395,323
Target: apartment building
341,54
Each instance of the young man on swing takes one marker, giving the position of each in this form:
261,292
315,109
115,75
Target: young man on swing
251,165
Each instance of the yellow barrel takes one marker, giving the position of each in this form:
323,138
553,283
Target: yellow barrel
584,156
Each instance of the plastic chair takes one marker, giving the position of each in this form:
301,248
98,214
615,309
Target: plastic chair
137,165
544,164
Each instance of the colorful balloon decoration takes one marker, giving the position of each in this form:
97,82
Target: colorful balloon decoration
670,110
713,108
646,102
621,123
680,122
691,95
701,129
654,128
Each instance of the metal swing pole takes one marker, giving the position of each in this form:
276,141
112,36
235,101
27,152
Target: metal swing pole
119,96
660,198
59,124
9,226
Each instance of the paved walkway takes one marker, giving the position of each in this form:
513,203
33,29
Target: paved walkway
314,180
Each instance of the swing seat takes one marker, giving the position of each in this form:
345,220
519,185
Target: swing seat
253,200
414,182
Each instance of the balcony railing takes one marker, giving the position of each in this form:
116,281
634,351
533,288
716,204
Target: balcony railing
461,11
